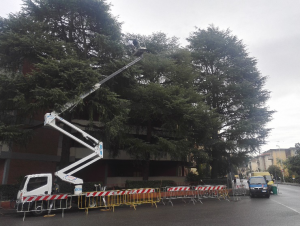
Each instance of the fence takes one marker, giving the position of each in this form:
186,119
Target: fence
108,200
39,204
195,193
239,188
111,199
178,192
212,191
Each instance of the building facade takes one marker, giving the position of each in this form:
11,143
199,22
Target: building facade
42,155
271,157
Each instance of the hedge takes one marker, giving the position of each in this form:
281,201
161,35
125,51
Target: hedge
149,184
8,192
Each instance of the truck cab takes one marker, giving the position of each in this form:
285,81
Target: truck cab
35,184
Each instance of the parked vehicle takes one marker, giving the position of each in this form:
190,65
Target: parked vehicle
258,187
267,176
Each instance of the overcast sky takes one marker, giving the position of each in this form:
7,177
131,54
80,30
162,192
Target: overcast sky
269,29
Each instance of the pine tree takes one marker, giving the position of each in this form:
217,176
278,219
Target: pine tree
166,113
57,50
234,88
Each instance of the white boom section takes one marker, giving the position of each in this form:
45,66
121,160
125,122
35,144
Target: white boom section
97,85
97,148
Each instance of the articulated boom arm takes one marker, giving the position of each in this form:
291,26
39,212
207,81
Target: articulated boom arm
97,147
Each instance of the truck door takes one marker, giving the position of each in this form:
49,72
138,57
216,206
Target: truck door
38,185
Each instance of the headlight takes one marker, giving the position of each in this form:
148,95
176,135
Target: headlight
265,188
252,188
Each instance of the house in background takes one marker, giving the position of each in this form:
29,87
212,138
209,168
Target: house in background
271,157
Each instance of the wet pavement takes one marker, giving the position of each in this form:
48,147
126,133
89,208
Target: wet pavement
281,209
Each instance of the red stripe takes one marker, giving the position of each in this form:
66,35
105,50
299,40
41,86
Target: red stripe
38,198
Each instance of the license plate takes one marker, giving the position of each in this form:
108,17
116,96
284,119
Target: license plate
263,190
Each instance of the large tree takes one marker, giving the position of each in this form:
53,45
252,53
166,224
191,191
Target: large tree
50,53
234,88
166,113
293,163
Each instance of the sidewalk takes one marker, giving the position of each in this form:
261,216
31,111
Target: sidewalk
292,184
5,208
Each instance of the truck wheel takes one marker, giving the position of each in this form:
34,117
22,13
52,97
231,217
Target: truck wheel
38,209
251,196
268,195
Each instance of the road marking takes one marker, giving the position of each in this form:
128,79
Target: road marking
287,206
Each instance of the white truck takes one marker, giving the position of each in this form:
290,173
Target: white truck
41,184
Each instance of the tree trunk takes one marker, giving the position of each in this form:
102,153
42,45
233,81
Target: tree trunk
146,162
214,164
215,155
66,144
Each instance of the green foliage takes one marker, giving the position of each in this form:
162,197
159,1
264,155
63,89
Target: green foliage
275,171
52,52
165,111
149,184
233,88
207,100
293,163
195,179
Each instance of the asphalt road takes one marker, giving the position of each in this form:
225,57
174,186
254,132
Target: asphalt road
279,210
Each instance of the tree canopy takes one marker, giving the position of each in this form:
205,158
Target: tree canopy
233,87
207,100
53,51
293,163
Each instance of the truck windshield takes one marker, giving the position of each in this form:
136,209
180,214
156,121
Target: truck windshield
257,180
23,183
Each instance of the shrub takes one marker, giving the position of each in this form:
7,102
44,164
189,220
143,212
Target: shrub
149,184
8,192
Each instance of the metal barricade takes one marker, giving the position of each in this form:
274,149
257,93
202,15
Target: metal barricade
238,189
179,192
211,191
97,199
111,199
140,196
43,203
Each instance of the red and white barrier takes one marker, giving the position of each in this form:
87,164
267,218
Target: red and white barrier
180,192
125,192
210,188
142,191
211,191
44,197
100,193
179,189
